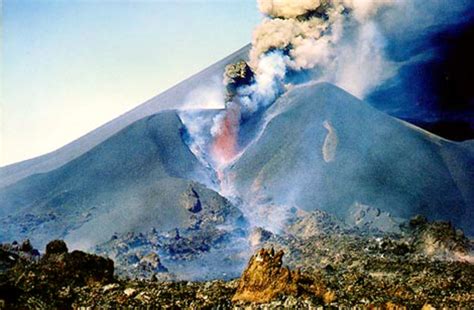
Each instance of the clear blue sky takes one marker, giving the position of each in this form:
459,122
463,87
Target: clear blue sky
70,66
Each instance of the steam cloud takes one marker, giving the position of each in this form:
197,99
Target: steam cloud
337,38
208,96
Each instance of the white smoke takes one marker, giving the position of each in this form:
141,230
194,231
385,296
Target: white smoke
207,96
364,9
338,38
292,9
196,124
283,33
361,64
195,118
199,126
269,76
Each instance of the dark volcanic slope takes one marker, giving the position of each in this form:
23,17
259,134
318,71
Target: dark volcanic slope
327,150
171,99
132,180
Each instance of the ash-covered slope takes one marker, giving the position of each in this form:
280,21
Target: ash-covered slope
130,182
327,150
173,98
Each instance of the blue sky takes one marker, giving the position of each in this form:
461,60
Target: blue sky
70,66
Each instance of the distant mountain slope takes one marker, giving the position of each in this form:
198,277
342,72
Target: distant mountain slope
132,181
327,150
171,99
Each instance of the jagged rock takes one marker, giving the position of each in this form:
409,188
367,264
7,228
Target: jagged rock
56,247
340,269
129,292
417,221
309,224
329,297
190,200
265,278
88,268
213,223
7,261
438,239
11,254
372,219
51,278
110,287
75,268
237,74
26,246
441,239
152,261
394,247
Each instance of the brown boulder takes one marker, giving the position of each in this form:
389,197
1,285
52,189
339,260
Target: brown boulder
26,246
52,277
87,268
236,75
56,247
75,268
265,278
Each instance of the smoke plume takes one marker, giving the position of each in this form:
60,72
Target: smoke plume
288,8
336,39
208,96
269,83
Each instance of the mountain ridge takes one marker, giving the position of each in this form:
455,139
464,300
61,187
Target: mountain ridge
171,98
141,169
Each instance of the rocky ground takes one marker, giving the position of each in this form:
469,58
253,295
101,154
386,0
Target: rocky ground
317,261
214,229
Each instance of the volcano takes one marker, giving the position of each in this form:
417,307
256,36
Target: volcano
327,150
305,144
321,148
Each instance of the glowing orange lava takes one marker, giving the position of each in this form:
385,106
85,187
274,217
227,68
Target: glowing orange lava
225,146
